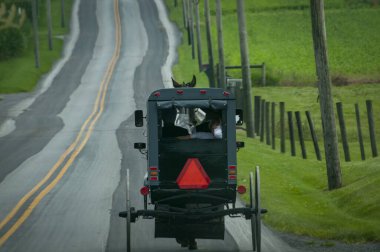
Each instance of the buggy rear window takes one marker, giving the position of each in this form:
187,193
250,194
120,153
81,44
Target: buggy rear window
212,104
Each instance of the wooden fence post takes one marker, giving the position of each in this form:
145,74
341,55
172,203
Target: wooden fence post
343,132
300,134
257,114
282,126
262,124
267,124
291,133
313,136
360,135
263,74
371,125
273,124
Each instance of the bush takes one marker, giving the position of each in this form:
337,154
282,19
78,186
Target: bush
12,43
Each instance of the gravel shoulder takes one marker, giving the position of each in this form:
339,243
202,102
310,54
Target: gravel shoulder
305,243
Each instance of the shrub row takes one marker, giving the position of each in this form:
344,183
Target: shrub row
12,43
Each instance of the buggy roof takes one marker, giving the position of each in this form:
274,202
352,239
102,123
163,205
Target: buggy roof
187,93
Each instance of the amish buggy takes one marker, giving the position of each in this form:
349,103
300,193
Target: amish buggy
192,172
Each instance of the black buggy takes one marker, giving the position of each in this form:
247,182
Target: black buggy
191,180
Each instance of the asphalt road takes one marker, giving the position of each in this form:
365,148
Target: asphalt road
76,208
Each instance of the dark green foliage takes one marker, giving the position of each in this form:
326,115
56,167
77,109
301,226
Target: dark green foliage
361,3
12,43
24,4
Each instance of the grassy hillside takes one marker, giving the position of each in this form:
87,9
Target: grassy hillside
19,74
279,34
296,189
294,192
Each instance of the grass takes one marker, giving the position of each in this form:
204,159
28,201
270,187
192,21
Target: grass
294,190
19,74
281,37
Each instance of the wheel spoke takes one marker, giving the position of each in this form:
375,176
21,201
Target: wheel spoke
258,210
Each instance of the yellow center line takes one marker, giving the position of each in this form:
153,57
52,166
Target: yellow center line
95,115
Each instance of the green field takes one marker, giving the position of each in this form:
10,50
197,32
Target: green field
279,34
294,190
19,74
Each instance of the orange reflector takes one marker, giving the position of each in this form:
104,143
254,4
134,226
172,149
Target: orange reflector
241,189
233,172
193,176
144,190
153,173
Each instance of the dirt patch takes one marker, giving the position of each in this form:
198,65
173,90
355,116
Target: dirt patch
304,243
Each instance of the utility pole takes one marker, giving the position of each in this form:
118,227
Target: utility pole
198,30
48,14
325,98
211,73
219,27
62,13
35,33
246,71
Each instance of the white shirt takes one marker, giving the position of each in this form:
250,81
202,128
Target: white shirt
217,134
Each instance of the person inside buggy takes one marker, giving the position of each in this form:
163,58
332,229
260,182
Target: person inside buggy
194,123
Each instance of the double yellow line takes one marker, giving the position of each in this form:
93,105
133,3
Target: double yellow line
74,149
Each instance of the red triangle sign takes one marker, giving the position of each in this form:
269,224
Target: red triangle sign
193,176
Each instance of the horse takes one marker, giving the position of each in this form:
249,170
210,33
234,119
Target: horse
192,83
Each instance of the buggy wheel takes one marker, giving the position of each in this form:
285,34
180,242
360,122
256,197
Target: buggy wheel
252,207
128,215
258,210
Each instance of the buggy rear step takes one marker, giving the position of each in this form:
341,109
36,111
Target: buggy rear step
190,214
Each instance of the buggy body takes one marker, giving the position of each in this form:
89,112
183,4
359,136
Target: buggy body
191,182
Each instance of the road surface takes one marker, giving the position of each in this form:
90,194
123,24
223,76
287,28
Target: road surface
65,148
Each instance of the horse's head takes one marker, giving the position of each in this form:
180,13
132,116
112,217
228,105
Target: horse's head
192,83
